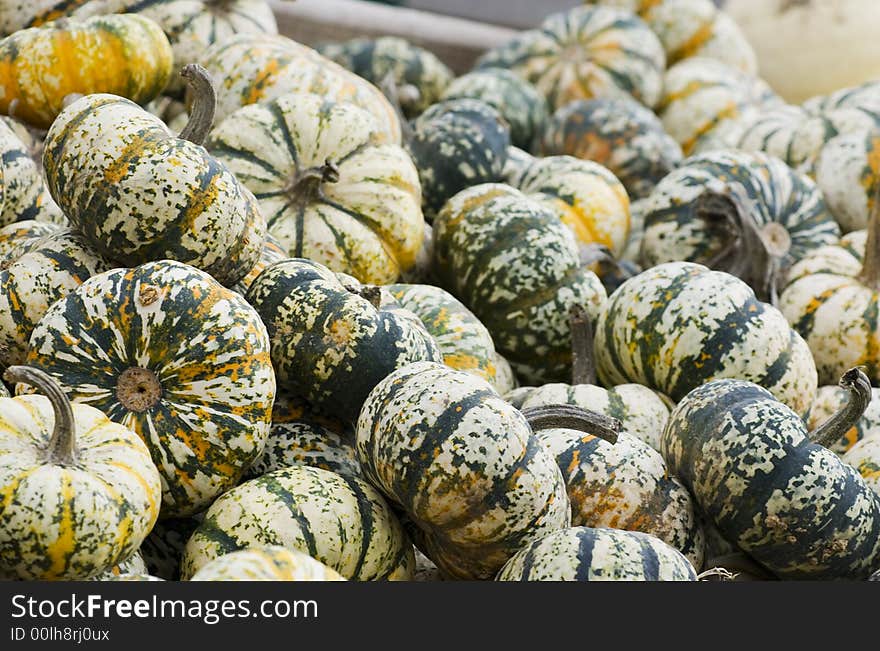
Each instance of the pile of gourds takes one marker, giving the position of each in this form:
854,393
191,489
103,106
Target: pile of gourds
602,308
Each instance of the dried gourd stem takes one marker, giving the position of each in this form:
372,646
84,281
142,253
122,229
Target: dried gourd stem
392,93
204,103
373,294
833,429
869,276
741,566
62,445
306,186
751,252
601,256
571,417
583,363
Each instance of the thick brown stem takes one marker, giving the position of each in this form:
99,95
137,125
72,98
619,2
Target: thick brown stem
62,445
833,429
753,253
583,363
571,417
204,103
869,276
306,187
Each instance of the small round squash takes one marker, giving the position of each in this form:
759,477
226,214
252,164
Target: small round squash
848,173
266,563
830,399
24,195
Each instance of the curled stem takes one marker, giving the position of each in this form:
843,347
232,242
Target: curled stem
839,423
204,103
571,417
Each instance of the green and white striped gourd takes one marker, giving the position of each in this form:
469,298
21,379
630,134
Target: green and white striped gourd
419,77
625,485
772,488
23,195
586,196
300,437
341,521
830,399
19,14
252,68
330,345
163,548
266,563
45,271
742,212
702,98
456,144
864,456
18,238
851,108
139,193
462,464
464,341
80,492
618,133
693,28
678,325
832,299
193,377
848,173
588,554
518,101
514,264
330,184
586,52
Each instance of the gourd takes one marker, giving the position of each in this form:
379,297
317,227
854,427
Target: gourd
351,201
193,378
462,464
831,398
36,276
519,103
81,492
864,456
703,97
597,554
266,563
586,52
138,193
849,108
618,133
745,213
679,324
251,68
329,345
341,521
463,340
24,195
124,55
848,173
831,300
456,144
772,488
18,238
17,15
417,75
300,437
513,263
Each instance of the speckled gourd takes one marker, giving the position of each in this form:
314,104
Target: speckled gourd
772,488
266,563
18,238
332,186
80,492
170,353
341,521
24,195
847,171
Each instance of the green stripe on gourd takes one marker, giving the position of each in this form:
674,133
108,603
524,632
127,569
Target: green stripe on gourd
849,108
514,264
80,492
848,173
518,102
742,212
24,195
266,563
463,340
139,193
462,464
18,238
330,184
330,345
680,324
167,351
588,554
830,399
419,76
832,299
456,144
771,487
341,521
48,270
618,133
702,98
586,52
